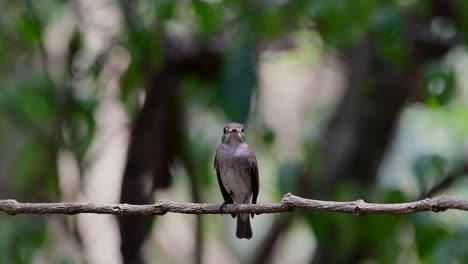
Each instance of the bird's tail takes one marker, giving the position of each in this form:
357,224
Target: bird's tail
244,230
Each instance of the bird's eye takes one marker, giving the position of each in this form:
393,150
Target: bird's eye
224,130
242,130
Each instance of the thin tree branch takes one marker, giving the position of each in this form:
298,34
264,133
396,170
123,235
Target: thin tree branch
446,182
288,203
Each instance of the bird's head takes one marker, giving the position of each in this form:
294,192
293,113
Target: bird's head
233,134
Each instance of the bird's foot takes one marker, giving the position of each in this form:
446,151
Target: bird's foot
221,208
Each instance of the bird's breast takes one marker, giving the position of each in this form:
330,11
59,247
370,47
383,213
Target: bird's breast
235,172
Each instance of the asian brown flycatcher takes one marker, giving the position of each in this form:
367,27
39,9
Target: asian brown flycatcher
237,173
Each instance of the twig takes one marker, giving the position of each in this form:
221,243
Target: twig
446,182
288,203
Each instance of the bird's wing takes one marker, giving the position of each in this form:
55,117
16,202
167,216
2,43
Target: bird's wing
254,178
226,196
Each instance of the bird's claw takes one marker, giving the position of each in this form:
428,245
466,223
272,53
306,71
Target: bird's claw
221,208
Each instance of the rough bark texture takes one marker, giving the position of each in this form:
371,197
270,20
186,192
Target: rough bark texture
287,204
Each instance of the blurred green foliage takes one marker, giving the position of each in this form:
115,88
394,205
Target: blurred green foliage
238,81
44,110
21,237
439,83
428,168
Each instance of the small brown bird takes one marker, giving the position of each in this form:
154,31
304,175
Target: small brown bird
237,173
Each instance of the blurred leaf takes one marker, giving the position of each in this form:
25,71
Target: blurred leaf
372,230
209,18
347,190
342,22
29,29
29,163
271,22
32,102
65,260
460,115
35,170
389,27
238,80
452,249
201,91
391,196
312,153
340,228
288,177
376,232
463,5
82,124
428,233
3,48
201,157
164,9
347,230
146,51
428,168
268,136
3,128
376,227
21,237
131,81
439,83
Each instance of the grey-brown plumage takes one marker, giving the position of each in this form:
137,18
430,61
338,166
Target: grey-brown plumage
237,173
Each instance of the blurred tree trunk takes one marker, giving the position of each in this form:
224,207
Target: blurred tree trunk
153,146
157,136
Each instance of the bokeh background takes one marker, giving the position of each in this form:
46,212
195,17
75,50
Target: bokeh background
124,101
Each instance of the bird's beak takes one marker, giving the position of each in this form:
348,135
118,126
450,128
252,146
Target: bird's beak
235,135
